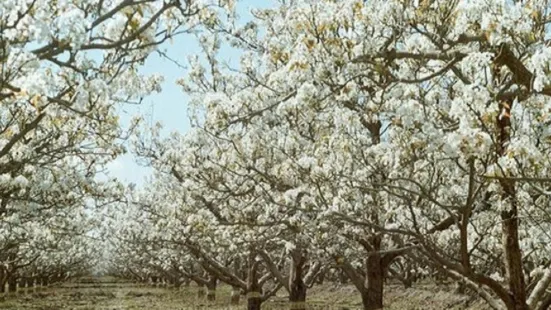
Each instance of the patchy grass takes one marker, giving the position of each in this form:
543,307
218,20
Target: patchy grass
116,295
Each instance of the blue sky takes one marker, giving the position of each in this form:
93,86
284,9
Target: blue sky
170,106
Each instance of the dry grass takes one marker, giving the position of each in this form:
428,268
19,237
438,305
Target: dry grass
127,296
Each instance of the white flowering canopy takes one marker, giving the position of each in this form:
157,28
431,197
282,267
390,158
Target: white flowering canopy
417,123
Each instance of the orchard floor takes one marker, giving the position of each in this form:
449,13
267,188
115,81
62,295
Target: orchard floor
112,295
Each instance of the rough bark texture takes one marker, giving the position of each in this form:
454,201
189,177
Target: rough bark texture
509,217
513,259
297,287
372,297
254,291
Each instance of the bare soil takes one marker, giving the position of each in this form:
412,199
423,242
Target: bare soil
113,295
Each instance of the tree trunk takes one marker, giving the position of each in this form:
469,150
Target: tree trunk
30,282
23,285
3,278
254,300
211,288
235,295
320,278
236,291
513,259
343,279
176,283
254,291
297,287
509,219
200,291
372,296
12,284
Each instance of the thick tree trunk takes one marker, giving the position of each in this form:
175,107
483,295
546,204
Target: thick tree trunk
211,289
254,300
297,287
372,296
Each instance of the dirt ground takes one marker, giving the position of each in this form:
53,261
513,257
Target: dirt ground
113,295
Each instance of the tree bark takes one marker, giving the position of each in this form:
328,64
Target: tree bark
235,295
12,284
509,217
200,291
176,283
23,285
211,288
513,259
254,291
254,300
3,279
297,287
342,277
30,282
372,297
370,283
320,278
236,291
